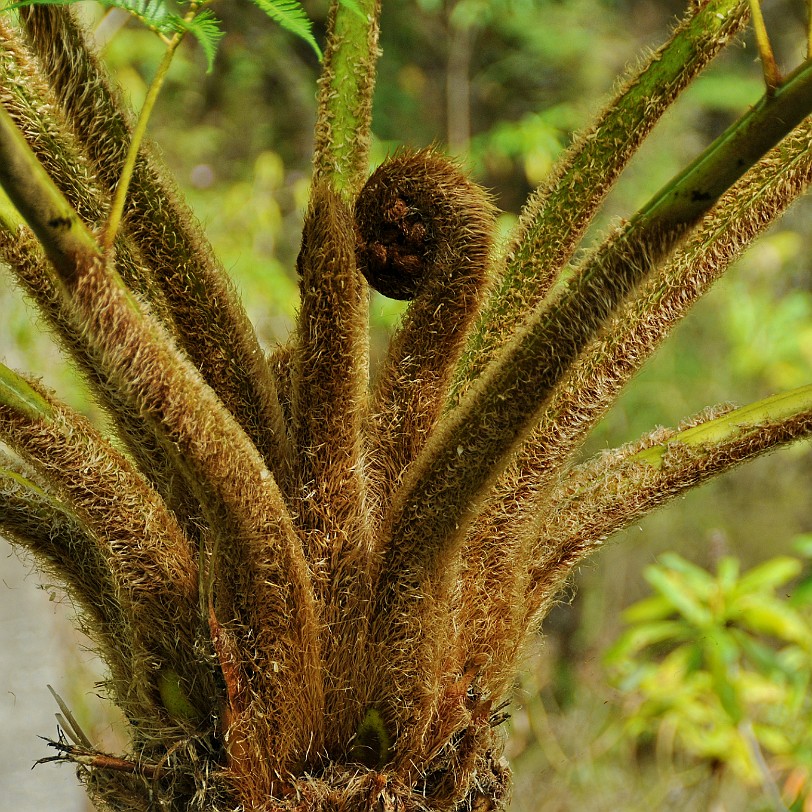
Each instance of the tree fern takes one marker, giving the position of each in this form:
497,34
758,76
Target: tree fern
311,593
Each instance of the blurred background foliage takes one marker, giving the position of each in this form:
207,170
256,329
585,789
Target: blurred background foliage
502,84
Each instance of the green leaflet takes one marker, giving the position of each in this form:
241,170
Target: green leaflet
292,17
205,28
152,13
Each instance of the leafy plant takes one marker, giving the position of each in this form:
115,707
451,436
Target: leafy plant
311,591
721,666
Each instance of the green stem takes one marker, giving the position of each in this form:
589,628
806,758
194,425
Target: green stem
52,219
691,193
557,215
809,29
345,97
18,395
10,219
714,432
772,76
120,199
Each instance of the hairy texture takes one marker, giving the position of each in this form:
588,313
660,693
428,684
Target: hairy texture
556,215
424,231
150,565
617,489
257,580
68,550
30,103
25,258
329,377
212,325
280,362
613,358
316,598
329,386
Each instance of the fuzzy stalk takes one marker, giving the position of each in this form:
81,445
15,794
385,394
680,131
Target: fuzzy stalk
24,256
28,186
256,578
471,448
332,357
151,563
676,207
596,380
329,390
139,131
329,379
31,105
499,410
34,521
213,327
557,214
344,118
616,489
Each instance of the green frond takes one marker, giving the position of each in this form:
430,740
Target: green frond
154,14
614,489
293,18
205,28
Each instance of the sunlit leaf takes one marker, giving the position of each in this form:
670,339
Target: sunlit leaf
771,616
675,589
699,580
769,575
654,608
648,634
727,573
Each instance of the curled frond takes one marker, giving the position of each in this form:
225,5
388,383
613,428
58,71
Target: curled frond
425,233
471,448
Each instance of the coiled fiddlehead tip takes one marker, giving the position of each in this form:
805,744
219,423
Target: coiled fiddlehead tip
415,207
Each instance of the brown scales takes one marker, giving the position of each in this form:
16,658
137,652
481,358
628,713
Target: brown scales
311,589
